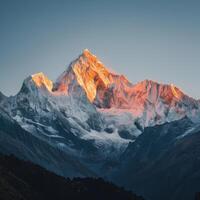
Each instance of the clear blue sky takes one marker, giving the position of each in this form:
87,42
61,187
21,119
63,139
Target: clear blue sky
157,40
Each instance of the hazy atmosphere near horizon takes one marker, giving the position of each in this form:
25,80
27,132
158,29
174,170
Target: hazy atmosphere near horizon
158,40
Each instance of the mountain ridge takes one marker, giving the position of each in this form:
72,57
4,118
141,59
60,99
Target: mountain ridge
89,83
100,67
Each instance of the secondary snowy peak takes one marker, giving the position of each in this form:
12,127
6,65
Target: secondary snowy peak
156,103
90,73
41,81
37,82
153,91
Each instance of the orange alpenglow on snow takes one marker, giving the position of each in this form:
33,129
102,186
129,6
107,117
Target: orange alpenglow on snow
42,81
106,89
176,92
91,74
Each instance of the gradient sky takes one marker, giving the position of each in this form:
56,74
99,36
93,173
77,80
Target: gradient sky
158,40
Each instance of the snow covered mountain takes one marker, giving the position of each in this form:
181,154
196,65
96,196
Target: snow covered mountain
91,113
93,122
148,101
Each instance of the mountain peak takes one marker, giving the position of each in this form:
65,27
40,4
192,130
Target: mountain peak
89,72
41,80
153,87
150,83
87,55
86,52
